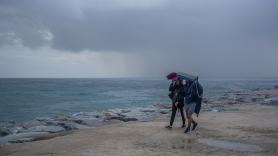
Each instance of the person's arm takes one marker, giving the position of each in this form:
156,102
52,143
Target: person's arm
171,87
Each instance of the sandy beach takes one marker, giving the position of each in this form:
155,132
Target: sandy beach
246,128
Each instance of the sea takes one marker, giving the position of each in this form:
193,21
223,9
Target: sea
23,99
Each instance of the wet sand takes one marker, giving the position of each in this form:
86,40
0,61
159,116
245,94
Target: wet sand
252,129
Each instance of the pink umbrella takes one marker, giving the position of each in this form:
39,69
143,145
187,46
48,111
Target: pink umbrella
172,76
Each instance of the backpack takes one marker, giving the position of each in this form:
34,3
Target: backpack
196,95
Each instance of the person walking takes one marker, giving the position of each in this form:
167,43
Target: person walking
177,103
193,96
171,90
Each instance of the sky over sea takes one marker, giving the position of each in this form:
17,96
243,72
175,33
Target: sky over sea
138,38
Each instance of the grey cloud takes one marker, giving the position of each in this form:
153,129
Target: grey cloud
226,36
175,26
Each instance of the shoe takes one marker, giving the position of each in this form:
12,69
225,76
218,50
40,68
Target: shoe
187,130
169,127
194,126
183,126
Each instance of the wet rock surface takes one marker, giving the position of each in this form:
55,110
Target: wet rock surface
20,137
50,129
271,101
4,131
12,132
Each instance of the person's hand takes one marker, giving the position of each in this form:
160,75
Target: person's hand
176,104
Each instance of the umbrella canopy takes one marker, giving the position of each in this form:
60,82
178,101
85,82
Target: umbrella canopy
180,75
185,76
172,76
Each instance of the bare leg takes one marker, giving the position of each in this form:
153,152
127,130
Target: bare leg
194,124
189,120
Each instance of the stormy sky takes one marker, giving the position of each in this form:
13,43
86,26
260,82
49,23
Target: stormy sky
138,38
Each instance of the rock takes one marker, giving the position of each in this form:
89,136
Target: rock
129,119
205,101
148,110
62,117
42,119
22,140
68,125
125,111
109,114
223,98
50,129
276,87
257,99
271,101
20,137
7,124
97,116
164,111
52,122
231,102
163,106
4,131
16,129
79,121
124,119
32,123
91,122
240,100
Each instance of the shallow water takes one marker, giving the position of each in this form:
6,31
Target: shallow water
237,146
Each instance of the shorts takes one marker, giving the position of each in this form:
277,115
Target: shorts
190,107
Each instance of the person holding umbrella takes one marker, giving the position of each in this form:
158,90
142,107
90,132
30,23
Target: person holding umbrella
172,89
192,91
177,103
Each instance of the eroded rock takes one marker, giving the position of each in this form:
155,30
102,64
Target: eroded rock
42,128
4,131
20,137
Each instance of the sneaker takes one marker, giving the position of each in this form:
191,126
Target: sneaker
169,127
183,126
187,130
194,126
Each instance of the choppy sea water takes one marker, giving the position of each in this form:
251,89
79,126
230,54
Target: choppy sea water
26,99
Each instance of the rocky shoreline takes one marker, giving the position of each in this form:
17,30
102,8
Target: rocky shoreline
245,125
62,124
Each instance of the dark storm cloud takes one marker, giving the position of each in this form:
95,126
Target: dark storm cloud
160,26
209,37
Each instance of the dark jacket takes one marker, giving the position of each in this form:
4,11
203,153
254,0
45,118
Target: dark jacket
180,95
194,93
171,90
